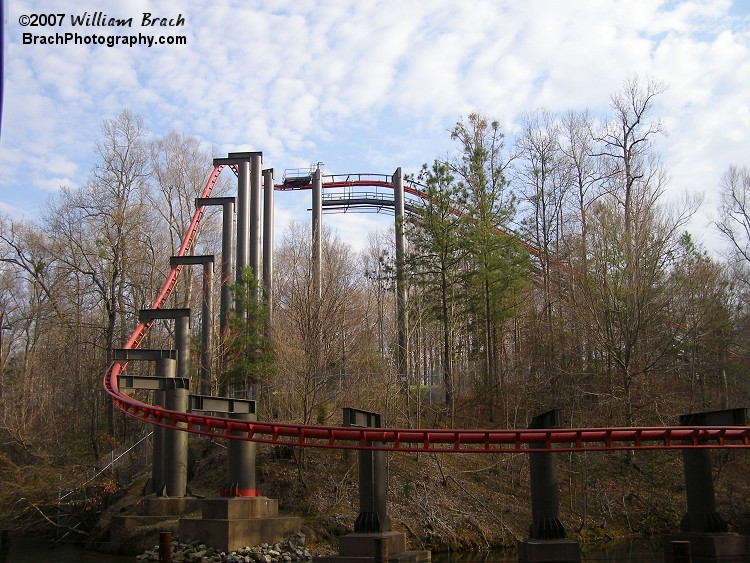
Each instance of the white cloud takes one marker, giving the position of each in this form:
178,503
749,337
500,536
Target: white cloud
371,85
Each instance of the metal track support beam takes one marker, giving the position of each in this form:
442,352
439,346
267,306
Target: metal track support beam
241,463
207,300
268,240
701,516
373,516
317,231
256,163
227,251
402,351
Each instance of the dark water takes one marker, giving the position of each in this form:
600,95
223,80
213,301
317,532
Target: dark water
642,551
26,550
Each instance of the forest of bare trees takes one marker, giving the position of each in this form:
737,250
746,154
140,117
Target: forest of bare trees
550,270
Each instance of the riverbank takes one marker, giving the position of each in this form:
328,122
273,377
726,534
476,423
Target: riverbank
457,503
444,502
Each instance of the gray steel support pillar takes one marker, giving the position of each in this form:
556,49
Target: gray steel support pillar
380,487
182,345
176,446
241,463
545,488
546,541
207,299
268,240
227,238
227,253
402,351
176,441
373,515
317,231
256,162
165,367
243,216
207,327
701,516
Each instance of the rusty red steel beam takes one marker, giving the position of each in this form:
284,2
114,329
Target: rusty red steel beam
405,439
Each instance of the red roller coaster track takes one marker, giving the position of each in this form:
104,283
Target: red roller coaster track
402,439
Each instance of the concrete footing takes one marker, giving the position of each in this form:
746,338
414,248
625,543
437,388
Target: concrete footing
151,511
709,548
228,524
558,551
374,547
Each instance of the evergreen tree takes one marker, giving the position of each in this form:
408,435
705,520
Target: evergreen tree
250,356
497,264
437,254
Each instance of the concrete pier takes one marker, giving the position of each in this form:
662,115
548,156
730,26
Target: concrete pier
228,524
373,540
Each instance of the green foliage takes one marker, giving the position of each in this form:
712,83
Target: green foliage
498,264
463,258
250,357
437,251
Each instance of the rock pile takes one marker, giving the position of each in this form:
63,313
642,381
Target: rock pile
292,549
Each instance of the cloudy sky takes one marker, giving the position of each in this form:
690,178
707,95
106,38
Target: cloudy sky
366,86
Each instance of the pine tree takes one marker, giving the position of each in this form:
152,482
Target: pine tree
250,355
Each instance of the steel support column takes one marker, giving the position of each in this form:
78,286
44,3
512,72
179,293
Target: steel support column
402,351
240,463
227,252
227,236
701,516
545,488
207,327
243,216
207,261
317,231
546,540
175,444
176,441
268,241
165,367
373,515
256,162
